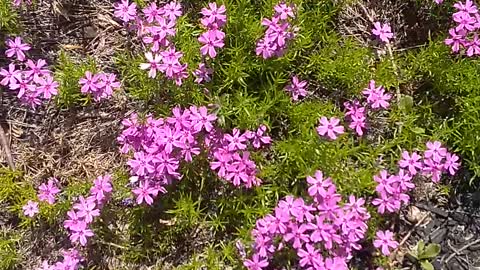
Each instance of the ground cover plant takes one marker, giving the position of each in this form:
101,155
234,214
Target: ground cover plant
239,134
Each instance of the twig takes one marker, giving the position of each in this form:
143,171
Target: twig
457,252
6,148
411,230
112,244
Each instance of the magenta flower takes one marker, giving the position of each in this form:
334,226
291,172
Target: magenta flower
384,240
30,209
318,186
386,203
48,87
125,11
203,73
330,128
153,13
210,41
465,21
145,192
81,233
256,263
308,256
11,75
258,138
214,16
376,96
153,64
108,82
451,163
16,48
202,119
101,188
73,220
36,70
236,141
283,11
87,209
142,164
297,88
382,31
411,162
90,83
357,124
435,151
172,11
47,192
456,40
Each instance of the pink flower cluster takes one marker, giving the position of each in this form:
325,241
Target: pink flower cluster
156,27
100,86
18,3
356,113
214,18
231,160
392,189
464,36
86,209
279,32
382,31
297,88
31,79
385,241
71,261
159,146
47,193
323,231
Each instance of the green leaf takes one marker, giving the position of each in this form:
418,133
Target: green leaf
426,265
431,251
420,247
406,103
418,130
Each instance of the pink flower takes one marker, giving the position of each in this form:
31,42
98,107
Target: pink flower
81,233
202,119
36,69
376,96
203,73
16,47
455,40
357,124
145,192
48,87
47,192
210,41
384,32
283,11
435,151
90,83
411,162
152,13
451,163
153,64
30,209
256,263
172,10
214,15
236,141
297,88
330,128
101,188
125,11
385,241
87,209
11,75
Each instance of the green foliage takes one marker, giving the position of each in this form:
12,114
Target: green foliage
68,72
8,250
8,18
423,254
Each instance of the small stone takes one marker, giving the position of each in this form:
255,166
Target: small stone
438,236
414,215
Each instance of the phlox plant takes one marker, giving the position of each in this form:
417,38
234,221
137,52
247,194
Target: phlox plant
278,33
31,80
79,218
161,145
99,86
464,36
